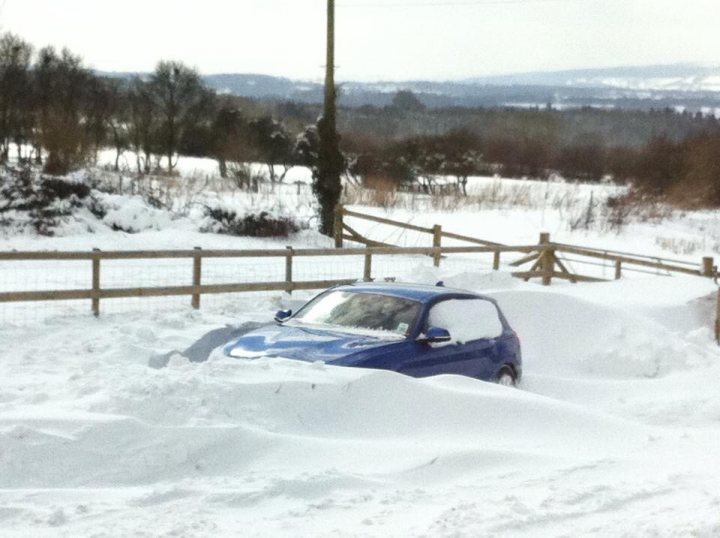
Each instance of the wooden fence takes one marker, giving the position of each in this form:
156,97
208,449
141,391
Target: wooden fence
548,261
95,292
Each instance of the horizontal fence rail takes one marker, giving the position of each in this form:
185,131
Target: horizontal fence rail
95,293
640,261
264,253
549,259
269,253
545,260
547,263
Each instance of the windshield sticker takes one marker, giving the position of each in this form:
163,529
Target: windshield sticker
402,328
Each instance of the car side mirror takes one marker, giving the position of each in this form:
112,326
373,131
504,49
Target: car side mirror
282,315
435,335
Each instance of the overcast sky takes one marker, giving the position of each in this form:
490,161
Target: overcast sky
376,39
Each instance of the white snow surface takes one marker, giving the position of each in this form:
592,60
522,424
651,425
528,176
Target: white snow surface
466,320
613,431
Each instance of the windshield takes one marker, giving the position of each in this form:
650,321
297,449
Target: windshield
358,310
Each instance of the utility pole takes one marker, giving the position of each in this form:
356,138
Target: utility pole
330,165
329,108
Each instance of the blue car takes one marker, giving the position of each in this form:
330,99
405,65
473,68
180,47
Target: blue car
412,329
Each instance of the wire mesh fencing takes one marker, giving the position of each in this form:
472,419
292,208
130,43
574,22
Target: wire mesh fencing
39,289
42,285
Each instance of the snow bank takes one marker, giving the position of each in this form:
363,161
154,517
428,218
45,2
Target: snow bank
132,214
466,320
93,440
189,420
568,336
228,435
615,426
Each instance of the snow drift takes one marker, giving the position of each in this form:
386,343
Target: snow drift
610,422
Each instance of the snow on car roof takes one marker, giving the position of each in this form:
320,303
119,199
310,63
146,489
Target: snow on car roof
417,292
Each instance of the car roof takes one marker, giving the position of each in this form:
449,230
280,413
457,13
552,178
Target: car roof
416,292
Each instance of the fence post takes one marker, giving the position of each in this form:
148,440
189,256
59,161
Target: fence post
437,244
289,269
618,269
547,257
708,265
338,226
197,277
96,282
367,273
496,260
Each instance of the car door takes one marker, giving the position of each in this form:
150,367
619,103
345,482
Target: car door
476,332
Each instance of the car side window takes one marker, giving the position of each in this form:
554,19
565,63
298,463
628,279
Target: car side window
466,319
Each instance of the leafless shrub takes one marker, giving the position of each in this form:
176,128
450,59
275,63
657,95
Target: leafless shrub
619,211
383,191
378,191
585,219
243,177
678,245
448,202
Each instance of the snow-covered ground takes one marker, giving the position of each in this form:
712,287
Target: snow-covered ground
503,210
198,167
613,432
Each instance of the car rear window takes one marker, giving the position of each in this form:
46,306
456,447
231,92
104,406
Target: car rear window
466,319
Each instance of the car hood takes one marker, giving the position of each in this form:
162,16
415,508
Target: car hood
303,343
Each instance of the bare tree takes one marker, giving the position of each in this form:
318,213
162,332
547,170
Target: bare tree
15,58
101,104
118,119
273,146
229,133
142,122
178,95
60,84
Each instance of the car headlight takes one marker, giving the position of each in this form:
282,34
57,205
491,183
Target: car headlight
240,353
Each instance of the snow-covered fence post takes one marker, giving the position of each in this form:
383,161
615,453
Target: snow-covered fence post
96,282
197,277
618,269
547,259
496,260
437,244
367,273
338,226
289,269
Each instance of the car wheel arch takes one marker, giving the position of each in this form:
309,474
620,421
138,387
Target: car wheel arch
511,370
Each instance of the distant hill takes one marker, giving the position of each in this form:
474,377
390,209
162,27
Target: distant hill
261,86
678,77
679,86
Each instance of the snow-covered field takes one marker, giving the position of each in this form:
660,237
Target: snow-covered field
613,432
